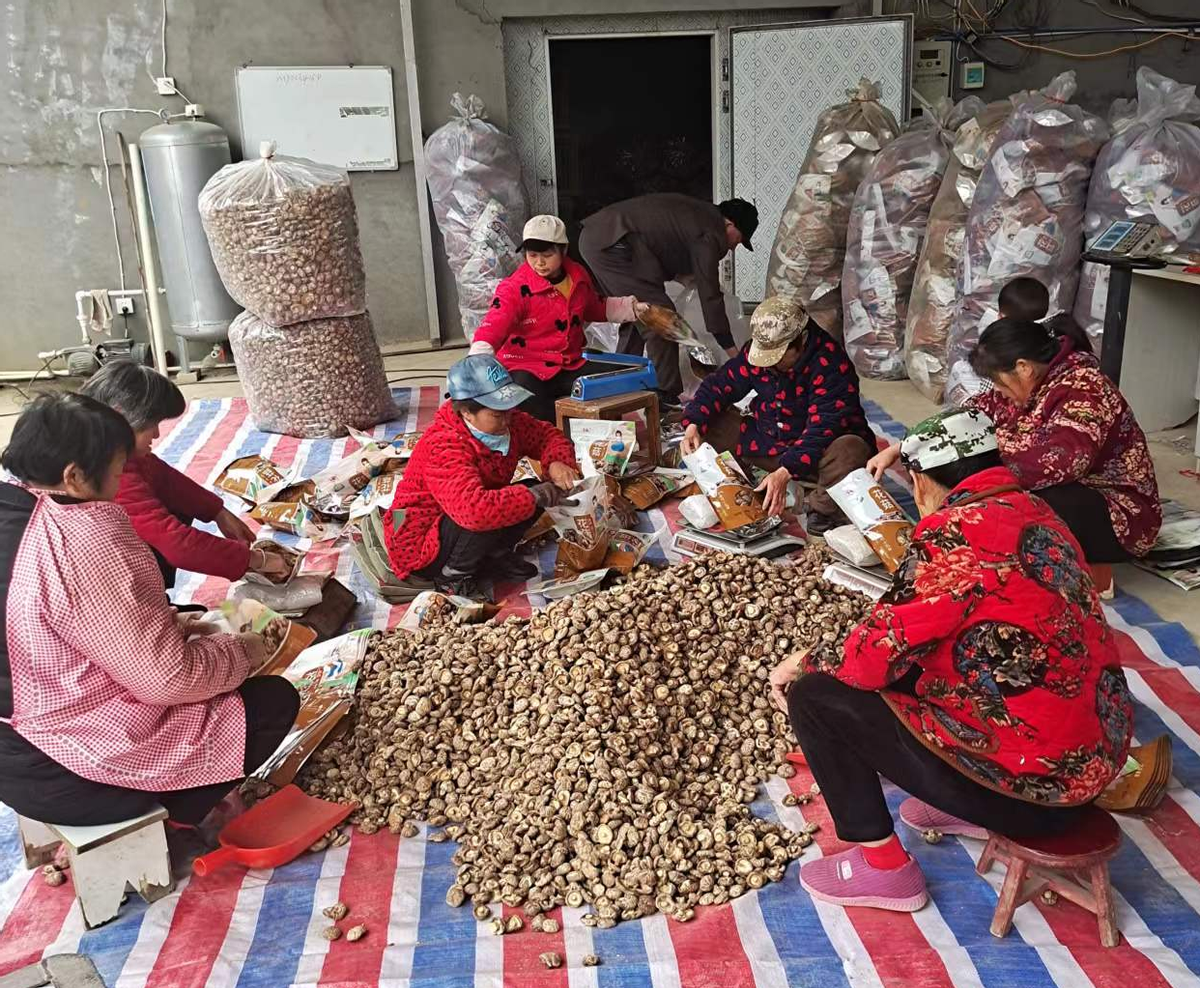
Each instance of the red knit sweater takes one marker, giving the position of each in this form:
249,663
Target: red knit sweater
154,495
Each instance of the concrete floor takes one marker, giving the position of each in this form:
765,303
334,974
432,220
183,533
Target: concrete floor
1173,452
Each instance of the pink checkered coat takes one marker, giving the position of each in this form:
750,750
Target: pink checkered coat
103,681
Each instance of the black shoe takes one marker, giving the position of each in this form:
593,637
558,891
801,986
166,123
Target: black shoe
817,525
464,585
509,568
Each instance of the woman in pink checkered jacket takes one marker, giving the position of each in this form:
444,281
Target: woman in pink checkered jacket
106,707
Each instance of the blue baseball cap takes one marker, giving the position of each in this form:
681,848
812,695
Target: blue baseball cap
485,380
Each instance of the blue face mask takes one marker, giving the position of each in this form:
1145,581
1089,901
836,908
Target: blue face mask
498,444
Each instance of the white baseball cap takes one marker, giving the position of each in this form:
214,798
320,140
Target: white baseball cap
549,229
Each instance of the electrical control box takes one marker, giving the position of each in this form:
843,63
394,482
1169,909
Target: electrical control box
972,75
931,69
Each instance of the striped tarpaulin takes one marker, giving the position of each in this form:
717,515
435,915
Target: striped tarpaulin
261,929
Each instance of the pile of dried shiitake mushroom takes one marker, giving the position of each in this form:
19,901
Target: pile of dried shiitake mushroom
602,752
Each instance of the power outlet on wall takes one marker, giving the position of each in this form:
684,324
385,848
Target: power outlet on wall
124,306
165,85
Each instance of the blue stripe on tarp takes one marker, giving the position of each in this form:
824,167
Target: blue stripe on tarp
181,440
283,919
109,945
626,963
807,955
1172,638
444,956
1185,763
967,903
1160,906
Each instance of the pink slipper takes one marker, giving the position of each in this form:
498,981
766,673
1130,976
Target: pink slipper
846,879
932,823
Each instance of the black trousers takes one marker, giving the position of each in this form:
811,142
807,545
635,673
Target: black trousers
1086,514
851,737
546,393
465,552
37,787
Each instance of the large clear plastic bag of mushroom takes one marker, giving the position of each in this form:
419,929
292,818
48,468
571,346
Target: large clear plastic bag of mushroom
1026,219
934,298
284,236
313,379
810,244
474,177
883,240
1148,173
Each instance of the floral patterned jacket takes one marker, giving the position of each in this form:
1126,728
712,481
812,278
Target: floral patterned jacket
1078,427
1020,686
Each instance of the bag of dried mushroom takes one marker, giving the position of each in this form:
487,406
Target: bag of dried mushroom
284,237
315,379
883,241
810,244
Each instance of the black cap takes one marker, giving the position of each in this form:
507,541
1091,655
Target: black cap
744,216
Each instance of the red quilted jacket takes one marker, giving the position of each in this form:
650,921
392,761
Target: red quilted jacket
453,473
1020,686
532,327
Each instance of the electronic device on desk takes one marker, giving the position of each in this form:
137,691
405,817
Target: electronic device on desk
769,545
1127,241
622,373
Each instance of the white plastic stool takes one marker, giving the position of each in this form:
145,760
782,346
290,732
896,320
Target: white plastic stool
106,858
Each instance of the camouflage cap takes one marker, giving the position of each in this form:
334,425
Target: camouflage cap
775,323
947,437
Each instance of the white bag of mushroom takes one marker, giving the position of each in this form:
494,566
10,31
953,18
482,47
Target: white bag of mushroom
314,379
883,240
1148,173
1026,219
474,176
284,236
810,244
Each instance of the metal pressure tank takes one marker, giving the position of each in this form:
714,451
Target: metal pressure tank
179,158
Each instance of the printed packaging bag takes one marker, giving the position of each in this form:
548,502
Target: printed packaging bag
875,513
727,488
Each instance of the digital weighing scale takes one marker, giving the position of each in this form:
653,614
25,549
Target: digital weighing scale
769,545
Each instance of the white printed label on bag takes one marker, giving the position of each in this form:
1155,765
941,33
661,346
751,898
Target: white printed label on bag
1178,210
1011,180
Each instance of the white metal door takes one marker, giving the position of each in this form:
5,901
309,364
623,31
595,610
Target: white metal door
783,77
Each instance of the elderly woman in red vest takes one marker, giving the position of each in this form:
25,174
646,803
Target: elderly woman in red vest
985,683
536,322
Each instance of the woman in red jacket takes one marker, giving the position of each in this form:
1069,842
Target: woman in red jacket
536,322
161,502
985,682
456,515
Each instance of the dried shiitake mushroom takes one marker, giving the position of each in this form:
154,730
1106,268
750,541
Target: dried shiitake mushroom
602,753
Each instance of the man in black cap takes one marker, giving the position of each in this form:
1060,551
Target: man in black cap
636,246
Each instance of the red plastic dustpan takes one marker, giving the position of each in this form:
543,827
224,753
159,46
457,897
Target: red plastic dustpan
274,831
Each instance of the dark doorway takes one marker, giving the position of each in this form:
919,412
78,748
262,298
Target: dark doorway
631,116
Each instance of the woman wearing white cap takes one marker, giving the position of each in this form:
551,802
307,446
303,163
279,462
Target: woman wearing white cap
536,322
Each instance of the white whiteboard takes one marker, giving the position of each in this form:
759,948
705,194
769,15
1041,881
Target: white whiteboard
342,115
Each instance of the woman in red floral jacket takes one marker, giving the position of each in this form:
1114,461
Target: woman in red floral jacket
536,322
985,683
457,515
1067,433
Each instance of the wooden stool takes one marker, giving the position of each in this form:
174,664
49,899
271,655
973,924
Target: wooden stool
106,858
615,407
1083,853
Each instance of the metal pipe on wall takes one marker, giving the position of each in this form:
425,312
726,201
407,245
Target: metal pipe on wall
157,308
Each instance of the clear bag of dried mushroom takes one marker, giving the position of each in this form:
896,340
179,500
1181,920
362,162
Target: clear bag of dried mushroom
1026,219
883,240
284,236
934,298
315,379
810,244
474,176
1148,173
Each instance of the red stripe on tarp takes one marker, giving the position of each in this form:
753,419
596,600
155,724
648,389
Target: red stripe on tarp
205,459
1169,684
1178,833
370,866
896,945
709,949
35,921
523,967
198,929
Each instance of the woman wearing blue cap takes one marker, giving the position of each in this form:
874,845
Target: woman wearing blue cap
457,516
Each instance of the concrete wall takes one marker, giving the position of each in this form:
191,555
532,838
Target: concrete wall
70,58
